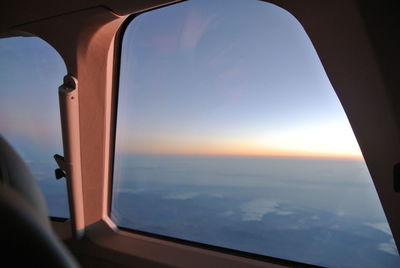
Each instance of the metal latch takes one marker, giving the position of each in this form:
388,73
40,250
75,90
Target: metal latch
61,171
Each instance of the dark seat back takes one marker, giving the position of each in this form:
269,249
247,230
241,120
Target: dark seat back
26,237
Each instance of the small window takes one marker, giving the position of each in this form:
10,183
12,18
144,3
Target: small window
230,134
31,71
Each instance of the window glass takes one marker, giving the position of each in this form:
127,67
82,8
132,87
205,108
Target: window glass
30,73
229,133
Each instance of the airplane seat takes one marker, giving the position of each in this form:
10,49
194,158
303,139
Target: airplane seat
26,237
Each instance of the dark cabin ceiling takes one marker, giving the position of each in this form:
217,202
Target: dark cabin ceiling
17,12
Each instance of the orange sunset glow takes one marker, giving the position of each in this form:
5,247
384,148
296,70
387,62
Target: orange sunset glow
283,145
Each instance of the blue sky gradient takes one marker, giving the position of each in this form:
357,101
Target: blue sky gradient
30,73
201,77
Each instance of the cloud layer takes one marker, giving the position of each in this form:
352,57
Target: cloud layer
256,209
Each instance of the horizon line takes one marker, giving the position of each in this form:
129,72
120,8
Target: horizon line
311,156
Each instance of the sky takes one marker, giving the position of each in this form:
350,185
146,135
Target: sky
202,77
198,77
30,73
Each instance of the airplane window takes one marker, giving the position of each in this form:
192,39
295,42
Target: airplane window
31,72
230,134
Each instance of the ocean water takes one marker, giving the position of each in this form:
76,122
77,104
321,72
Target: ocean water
318,211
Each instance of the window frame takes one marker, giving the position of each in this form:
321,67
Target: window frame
163,243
